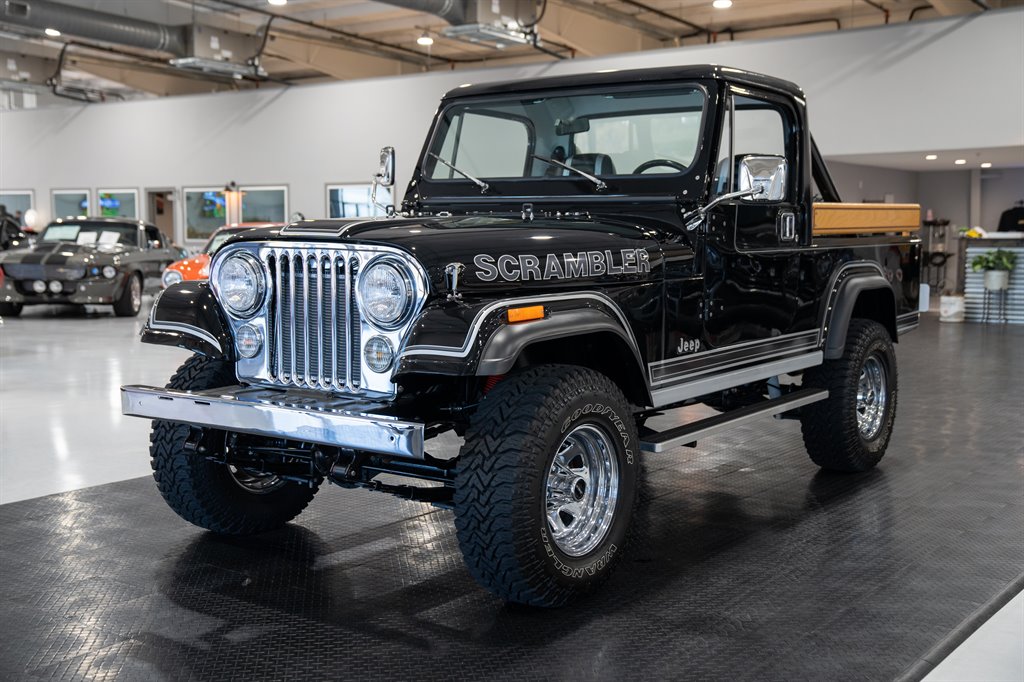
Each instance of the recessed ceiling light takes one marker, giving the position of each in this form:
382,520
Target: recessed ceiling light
278,2
987,164
960,162
931,157
425,40
722,4
52,32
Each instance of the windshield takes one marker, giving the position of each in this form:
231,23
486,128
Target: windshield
216,241
655,131
100,233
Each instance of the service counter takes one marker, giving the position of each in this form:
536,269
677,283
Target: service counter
973,287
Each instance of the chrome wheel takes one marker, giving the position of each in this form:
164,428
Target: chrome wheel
582,489
255,483
135,292
871,397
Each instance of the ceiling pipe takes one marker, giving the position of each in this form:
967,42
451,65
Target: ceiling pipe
452,11
101,26
665,15
880,8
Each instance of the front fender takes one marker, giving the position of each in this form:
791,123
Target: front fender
188,316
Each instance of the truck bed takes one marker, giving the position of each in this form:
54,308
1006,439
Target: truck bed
848,218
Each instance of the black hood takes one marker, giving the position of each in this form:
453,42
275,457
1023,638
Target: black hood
67,253
610,248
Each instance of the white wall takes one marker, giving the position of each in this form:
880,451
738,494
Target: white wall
930,85
867,183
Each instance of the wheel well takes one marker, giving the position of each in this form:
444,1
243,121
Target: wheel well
877,305
604,352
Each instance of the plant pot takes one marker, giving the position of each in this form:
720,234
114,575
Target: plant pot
951,309
997,280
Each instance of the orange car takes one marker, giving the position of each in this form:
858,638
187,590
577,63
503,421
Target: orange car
198,266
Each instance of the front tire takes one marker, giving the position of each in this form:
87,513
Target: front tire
130,302
546,485
11,309
216,496
850,430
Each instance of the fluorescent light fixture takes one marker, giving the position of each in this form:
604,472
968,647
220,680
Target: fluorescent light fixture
931,157
52,32
425,40
278,2
722,4
987,164
960,162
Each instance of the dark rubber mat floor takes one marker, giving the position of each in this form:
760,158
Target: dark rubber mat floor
751,564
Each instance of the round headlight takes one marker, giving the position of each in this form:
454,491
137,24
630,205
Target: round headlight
248,340
378,354
109,271
240,283
385,294
170,277
39,286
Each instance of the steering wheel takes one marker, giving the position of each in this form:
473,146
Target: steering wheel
654,163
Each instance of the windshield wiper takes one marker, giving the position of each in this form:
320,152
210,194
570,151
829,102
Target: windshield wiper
598,182
480,183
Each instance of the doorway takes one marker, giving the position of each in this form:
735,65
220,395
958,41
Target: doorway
160,211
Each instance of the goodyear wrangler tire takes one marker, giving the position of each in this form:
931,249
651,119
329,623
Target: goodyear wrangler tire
546,485
850,430
211,495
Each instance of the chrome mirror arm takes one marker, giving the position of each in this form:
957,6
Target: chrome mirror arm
694,218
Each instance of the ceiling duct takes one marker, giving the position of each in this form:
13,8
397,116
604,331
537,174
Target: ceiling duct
195,47
221,52
496,23
87,23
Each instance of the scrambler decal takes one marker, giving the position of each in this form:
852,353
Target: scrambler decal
564,266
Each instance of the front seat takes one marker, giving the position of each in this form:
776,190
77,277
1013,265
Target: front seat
595,164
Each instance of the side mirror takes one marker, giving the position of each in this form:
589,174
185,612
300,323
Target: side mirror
766,172
386,173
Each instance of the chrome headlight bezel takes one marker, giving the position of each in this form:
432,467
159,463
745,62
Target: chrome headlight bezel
170,278
411,294
250,261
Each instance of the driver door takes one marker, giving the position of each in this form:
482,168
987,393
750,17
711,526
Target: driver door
752,257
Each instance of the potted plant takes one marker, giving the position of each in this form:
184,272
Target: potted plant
997,265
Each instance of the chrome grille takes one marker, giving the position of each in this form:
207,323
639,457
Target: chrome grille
39,271
313,324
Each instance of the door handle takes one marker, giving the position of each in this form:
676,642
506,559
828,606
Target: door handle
787,226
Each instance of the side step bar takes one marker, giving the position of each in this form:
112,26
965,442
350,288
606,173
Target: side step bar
688,433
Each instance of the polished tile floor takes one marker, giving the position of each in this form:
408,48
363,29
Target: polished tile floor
751,564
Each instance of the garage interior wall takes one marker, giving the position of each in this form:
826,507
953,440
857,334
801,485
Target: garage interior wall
905,87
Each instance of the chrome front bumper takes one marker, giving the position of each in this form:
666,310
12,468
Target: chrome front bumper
294,415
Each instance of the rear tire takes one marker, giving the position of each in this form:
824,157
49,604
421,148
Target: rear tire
11,309
211,495
546,485
130,302
850,430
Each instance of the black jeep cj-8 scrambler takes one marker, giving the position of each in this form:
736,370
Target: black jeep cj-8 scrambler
572,256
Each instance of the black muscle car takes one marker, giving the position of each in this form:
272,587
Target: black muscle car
86,261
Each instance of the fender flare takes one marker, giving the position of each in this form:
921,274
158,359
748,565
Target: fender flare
187,315
848,291
507,343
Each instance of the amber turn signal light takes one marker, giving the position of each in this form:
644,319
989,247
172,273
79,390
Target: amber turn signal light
533,312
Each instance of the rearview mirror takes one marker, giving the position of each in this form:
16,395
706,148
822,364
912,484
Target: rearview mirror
386,173
572,126
766,172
